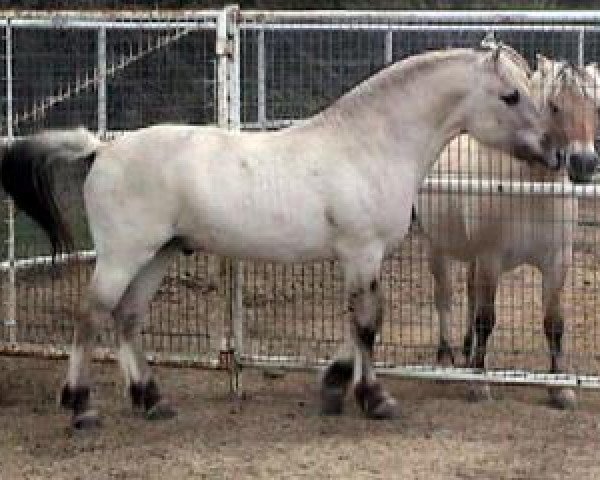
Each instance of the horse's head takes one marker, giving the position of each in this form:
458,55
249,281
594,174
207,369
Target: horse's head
500,110
593,91
564,95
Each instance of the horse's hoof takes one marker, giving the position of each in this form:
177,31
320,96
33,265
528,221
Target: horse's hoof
332,400
387,409
161,410
479,393
562,398
86,420
376,402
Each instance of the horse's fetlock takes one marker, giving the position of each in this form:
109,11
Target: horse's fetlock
144,395
444,353
366,336
485,320
75,399
338,374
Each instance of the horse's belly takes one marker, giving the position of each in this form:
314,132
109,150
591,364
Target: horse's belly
266,235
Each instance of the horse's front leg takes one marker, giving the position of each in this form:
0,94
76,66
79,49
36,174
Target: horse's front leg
553,278
443,305
361,271
366,310
485,277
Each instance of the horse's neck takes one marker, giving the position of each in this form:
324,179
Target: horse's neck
409,121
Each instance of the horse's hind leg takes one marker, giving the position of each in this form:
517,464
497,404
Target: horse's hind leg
443,304
109,281
128,316
552,282
75,394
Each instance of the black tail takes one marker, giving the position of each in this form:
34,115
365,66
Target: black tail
27,174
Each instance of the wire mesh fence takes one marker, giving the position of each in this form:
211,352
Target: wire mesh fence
119,75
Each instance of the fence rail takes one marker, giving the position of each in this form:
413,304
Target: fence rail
266,70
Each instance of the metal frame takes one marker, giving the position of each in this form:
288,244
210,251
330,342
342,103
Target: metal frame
228,23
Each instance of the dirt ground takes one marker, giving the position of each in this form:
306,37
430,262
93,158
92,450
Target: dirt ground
278,433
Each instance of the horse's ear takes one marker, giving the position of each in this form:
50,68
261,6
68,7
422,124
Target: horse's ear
544,64
492,58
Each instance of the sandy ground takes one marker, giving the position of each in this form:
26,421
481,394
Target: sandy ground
278,432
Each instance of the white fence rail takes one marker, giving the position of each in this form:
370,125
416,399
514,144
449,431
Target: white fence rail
263,70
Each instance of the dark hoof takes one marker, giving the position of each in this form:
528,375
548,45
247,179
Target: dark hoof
162,410
86,421
562,398
147,398
332,400
76,399
445,356
375,402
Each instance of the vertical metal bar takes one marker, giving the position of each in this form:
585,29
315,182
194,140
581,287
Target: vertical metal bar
581,47
389,47
11,286
222,70
102,81
237,314
233,36
262,108
228,86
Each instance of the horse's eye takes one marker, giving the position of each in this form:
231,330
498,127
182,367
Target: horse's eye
511,98
553,108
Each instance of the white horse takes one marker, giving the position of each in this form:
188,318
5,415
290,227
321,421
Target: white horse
496,233
331,188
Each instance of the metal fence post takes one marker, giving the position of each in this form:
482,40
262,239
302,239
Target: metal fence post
102,125
389,47
10,320
581,47
229,101
260,64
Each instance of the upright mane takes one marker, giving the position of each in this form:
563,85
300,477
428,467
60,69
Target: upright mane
490,42
552,76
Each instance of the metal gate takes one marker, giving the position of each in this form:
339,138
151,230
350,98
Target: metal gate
265,70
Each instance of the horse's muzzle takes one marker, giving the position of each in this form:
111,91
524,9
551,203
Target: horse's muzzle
582,167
